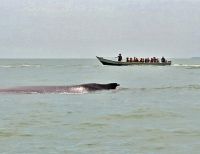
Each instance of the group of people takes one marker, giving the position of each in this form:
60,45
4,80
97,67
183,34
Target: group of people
143,60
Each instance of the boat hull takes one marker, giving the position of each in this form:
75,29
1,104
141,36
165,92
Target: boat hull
117,63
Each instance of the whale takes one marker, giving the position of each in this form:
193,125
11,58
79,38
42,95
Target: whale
73,89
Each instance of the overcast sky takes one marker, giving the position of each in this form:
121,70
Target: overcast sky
86,28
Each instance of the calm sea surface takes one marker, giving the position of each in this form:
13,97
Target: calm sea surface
155,110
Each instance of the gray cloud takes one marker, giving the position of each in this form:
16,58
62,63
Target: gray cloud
85,28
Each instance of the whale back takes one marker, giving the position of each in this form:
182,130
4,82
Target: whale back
95,86
84,88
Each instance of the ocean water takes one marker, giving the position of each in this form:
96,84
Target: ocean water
155,110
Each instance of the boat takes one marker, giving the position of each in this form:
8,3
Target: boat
123,63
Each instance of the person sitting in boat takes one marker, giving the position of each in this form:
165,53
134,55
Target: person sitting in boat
127,59
163,60
142,60
135,59
120,57
147,60
154,59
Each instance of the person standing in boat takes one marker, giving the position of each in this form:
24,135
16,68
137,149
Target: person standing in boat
120,57
163,60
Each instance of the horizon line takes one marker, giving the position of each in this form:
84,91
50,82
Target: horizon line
10,58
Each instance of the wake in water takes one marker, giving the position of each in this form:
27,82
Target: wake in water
190,87
19,66
189,66
179,87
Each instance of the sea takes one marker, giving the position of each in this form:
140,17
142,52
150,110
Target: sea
155,110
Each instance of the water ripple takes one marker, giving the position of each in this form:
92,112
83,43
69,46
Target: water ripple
140,115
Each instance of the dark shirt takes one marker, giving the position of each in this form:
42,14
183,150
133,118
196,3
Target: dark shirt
119,58
162,59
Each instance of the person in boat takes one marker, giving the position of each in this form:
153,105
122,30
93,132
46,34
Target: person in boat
154,59
127,59
163,60
147,60
135,59
142,60
120,57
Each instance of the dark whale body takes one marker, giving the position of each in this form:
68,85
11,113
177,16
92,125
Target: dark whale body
76,89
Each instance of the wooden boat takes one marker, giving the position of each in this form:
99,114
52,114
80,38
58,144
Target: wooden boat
122,63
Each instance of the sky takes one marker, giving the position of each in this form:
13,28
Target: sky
89,28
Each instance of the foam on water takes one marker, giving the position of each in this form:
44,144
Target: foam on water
19,66
186,65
